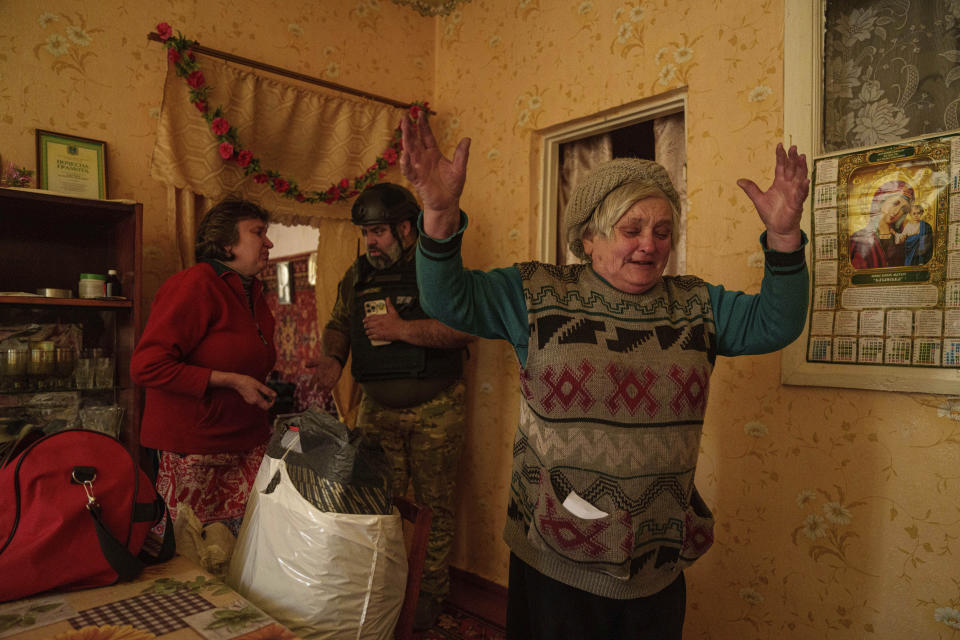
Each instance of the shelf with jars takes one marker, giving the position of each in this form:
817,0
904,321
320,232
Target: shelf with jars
64,359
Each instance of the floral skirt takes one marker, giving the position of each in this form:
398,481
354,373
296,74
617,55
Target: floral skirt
214,485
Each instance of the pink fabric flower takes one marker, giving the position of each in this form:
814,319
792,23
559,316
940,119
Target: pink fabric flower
415,112
301,197
165,31
244,157
201,106
173,56
390,155
344,184
226,150
280,185
260,178
334,193
196,79
220,126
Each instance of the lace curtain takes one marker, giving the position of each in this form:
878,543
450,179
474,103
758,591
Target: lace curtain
670,150
891,71
580,157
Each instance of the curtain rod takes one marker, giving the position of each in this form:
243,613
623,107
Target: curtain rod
262,66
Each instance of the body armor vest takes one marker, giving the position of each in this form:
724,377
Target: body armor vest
397,359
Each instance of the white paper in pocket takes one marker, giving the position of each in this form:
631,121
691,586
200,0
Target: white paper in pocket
581,508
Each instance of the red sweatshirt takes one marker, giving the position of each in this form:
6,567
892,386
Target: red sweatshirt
201,321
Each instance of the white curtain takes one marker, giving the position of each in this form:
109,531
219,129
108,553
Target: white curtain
579,159
670,146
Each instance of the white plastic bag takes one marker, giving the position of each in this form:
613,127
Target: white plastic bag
326,575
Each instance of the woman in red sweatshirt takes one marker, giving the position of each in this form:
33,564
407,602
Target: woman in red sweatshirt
203,358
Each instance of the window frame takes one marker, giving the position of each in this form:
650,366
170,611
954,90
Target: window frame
552,138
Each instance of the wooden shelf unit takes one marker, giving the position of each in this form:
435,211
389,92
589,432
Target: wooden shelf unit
46,241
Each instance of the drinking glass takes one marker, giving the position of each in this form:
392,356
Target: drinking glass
83,372
103,372
16,368
106,420
40,367
66,359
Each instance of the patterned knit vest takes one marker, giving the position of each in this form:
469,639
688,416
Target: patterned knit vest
615,389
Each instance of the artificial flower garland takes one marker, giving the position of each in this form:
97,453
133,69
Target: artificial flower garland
180,54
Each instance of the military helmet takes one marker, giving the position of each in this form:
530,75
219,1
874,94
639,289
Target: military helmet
384,203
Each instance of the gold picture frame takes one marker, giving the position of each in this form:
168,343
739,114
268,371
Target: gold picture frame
71,165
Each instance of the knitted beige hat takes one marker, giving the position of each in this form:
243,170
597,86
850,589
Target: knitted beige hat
604,179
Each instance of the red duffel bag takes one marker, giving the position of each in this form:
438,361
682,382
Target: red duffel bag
74,513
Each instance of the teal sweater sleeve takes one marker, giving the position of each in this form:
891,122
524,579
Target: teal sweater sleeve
490,304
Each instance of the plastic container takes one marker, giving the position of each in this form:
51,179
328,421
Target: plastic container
92,285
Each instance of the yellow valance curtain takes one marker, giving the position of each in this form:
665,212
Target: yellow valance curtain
304,132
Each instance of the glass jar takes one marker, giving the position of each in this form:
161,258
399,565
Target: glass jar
92,285
41,365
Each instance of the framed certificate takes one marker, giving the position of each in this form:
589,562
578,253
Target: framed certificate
71,165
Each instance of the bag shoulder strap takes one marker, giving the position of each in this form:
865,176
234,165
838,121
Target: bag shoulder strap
117,555
127,565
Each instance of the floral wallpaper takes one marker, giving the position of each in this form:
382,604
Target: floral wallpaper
837,509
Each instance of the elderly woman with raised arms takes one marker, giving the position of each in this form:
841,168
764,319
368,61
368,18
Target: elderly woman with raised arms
615,360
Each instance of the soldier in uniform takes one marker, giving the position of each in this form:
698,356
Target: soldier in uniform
410,370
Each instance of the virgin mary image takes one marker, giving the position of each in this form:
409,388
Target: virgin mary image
875,245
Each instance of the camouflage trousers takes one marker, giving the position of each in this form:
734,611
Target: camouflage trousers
423,445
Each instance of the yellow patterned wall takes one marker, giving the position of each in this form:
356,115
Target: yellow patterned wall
837,510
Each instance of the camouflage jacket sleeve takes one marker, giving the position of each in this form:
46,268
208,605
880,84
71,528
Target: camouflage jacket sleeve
340,316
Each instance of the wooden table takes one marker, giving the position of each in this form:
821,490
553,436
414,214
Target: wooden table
175,600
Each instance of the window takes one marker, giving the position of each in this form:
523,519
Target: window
652,129
891,70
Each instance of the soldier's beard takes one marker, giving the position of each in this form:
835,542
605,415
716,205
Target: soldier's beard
382,261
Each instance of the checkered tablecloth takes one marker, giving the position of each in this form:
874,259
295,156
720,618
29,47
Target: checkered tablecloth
158,614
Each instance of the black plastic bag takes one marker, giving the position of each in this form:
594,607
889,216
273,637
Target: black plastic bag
330,465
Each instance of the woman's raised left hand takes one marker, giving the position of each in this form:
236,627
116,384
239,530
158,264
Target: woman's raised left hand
781,206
